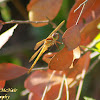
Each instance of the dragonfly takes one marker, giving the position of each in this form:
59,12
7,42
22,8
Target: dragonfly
46,43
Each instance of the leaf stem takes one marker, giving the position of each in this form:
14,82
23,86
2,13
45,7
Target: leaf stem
46,88
80,84
61,89
67,90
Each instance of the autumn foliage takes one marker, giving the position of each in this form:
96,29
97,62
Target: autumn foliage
72,61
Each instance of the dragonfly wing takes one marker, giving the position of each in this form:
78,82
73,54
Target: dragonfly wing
35,54
40,54
39,44
57,28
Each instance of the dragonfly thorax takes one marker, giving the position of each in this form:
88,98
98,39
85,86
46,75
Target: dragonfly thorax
49,42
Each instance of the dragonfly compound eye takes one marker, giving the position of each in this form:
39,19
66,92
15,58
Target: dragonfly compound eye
55,36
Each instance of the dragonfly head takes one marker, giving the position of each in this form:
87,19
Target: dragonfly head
55,36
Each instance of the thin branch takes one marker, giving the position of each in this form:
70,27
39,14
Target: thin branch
80,5
41,68
81,81
80,14
79,90
81,10
67,90
23,22
80,84
75,81
46,88
61,89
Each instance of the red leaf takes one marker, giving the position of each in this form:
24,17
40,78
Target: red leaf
37,81
91,15
71,37
82,63
2,84
62,60
89,32
34,96
53,93
39,10
31,3
10,71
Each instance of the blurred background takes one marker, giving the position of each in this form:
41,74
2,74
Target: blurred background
20,46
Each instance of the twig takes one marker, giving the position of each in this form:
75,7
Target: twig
61,89
41,68
80,14
80,84
81,10
80,5
67,90
46,88
75,81
79,90
23,22
81,81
